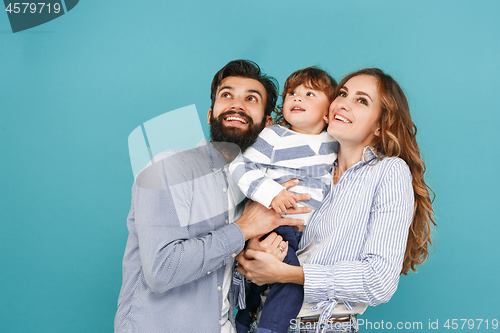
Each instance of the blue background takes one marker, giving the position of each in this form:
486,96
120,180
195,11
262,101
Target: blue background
73,89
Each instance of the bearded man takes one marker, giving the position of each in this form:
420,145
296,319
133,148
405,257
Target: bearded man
188,220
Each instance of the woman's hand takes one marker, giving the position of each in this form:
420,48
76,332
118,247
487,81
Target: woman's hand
259,267
273,244
262,268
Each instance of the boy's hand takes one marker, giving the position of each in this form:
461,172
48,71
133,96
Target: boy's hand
283,201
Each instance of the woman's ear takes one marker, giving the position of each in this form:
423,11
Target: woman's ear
208,116
377,132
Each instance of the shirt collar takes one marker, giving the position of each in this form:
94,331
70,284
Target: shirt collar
370,156
217,152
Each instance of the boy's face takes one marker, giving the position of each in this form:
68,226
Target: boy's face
238,112
305,109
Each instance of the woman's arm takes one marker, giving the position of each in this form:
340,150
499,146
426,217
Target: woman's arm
371,279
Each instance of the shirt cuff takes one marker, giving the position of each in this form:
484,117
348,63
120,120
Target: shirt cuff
318,283
233,239
266,192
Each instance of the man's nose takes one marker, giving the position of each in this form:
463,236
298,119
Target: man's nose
237,104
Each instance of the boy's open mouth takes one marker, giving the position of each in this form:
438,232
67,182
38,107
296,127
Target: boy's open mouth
297,109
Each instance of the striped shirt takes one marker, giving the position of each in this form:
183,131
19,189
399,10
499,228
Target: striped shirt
360,232
279,155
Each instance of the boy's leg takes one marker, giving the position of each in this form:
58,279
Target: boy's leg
284,300
244,317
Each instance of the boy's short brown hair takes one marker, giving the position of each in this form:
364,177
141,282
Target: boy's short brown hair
313,78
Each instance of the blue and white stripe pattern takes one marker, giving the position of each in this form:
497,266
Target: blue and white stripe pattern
360,232
279,155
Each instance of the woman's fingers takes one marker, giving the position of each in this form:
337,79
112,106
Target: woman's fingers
271,242
283,250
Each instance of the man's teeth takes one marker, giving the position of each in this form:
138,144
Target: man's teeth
342,119
237,119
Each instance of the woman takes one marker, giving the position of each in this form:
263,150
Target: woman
375,222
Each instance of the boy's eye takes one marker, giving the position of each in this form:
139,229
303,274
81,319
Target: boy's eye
225,95
292,93
310,94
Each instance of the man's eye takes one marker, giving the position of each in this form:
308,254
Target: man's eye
226,95
252,99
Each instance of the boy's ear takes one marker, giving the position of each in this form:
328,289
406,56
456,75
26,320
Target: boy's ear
208,116
269,121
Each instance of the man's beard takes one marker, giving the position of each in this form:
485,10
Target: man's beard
244,138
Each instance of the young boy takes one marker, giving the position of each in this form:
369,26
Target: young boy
298,147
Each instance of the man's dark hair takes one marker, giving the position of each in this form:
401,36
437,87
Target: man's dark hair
247,69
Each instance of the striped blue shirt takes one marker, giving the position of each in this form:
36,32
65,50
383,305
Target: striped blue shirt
279,155
360,232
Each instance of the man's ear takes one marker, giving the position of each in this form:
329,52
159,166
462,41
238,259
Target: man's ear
208,116
269,121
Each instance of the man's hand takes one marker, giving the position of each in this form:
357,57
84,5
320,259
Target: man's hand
283,201
257,220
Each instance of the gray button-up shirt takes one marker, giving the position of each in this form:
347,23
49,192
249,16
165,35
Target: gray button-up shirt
178,244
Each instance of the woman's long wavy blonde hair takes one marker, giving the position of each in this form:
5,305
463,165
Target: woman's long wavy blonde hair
398,138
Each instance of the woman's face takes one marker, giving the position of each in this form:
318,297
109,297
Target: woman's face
354,114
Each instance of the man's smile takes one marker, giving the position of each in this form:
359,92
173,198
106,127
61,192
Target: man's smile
236,120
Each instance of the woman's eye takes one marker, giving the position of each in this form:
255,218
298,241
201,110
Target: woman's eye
342,94
363,101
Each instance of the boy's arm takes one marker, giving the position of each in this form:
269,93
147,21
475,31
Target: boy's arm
248,169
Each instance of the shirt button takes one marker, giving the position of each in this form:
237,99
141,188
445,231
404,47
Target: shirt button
220,322
209,272
219,288
224,190
233,255
214,169
224,169
227,221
